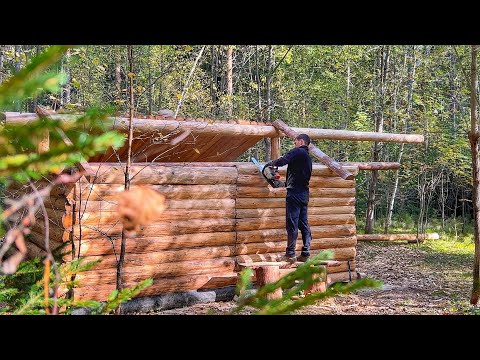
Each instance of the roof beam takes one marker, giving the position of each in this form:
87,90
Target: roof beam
213,128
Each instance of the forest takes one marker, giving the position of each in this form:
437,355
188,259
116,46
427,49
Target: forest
403,89
414,89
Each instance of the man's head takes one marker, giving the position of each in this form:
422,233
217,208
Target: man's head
302,139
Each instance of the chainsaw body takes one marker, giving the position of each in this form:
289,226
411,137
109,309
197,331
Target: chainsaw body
270,173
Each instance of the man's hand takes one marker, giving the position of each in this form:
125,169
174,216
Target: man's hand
269,164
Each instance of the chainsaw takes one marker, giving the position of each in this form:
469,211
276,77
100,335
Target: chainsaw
270,173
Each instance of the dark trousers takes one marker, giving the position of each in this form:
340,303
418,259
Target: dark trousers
297,218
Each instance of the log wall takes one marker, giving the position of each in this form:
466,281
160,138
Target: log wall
217,215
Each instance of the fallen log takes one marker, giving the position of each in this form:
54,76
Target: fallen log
393,237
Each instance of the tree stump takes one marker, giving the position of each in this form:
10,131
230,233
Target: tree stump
321,285
266,275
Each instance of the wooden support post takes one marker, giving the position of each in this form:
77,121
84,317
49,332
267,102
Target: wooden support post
275,148
320,155
266,275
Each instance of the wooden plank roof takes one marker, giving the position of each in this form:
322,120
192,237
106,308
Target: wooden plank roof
155,144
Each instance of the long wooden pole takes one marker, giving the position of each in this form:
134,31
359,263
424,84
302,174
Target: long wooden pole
215,128
319,154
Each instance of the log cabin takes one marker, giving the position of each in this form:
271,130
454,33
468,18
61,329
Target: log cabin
219,213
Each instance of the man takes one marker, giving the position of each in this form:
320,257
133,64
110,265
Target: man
299,172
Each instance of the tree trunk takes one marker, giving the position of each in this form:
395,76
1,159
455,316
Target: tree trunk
118,74
67,88
18,65
411,79
259,87
473,137
119,282
213,80
187,82
379,119
266,141
230,80
1,64
150,85
160,82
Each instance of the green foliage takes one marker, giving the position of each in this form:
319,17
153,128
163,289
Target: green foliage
33,79
18,142
69,143
295,282
20,161
22,293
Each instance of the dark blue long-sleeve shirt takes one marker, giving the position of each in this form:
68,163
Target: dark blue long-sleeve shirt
299,168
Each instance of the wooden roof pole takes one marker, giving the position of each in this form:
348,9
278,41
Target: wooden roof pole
229,129
319,154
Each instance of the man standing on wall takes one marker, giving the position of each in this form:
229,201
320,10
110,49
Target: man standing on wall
299,172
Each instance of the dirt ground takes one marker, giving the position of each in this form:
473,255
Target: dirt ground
416,281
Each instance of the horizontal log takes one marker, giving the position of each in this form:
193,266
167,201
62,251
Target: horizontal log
341,277
244,203
262,203
393,237
186,164
58,203
111,191
331,134
33,251
162,286
279,246
89,247
269,192
56,232
339,254
374,165
317,170
112,217
39,241
138,273
104,246
167,227
154,174
279,221
165,256
210,204
216,128
61,217
315,181
326,231
61,191
260,213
